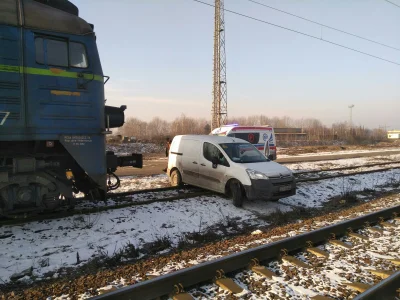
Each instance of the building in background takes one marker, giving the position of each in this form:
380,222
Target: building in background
393,134
290,134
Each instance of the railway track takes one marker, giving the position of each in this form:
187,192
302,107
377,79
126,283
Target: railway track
254,273
121,200
347,168
303,177
124,199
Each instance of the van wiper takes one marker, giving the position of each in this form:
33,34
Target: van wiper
253,161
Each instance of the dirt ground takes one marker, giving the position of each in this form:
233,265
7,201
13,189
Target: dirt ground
153,156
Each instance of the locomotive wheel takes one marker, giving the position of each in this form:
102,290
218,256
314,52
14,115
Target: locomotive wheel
31,192
51,201
71,203
96,195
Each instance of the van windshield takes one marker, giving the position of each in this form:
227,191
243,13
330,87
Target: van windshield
243,153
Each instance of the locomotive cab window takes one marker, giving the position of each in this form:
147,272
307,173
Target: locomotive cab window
77,55
60,53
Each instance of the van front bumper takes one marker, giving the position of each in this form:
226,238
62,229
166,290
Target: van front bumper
271,189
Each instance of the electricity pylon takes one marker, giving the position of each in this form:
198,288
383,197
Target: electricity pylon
220,104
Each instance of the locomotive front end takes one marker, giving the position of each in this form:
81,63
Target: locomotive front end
53,119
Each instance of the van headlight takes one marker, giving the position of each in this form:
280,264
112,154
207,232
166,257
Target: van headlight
253,174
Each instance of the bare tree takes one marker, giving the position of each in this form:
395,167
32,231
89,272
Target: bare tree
157,129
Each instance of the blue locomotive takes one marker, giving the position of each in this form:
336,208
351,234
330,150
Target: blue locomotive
53,118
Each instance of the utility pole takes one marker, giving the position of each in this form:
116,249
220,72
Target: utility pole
220,104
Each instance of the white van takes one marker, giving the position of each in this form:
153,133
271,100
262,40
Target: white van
262,137
228,165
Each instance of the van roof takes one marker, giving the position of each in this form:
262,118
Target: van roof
251,128
261,128
212,138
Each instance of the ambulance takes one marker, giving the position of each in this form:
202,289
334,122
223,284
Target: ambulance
262,137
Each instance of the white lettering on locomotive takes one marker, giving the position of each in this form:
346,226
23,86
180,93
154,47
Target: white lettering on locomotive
5,115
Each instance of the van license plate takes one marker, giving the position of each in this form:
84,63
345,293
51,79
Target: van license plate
285,188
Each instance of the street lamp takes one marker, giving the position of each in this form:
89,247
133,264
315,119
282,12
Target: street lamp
351,116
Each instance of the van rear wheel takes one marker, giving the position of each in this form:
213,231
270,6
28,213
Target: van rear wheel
175,178
237,193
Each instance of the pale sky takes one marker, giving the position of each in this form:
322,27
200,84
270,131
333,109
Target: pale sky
159,56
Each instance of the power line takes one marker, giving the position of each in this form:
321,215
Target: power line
392,3
326,26
299,32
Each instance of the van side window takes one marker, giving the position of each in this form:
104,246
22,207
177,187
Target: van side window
210,151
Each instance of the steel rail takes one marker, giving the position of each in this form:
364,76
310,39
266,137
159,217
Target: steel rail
205,272
388,288
199,192
167,199
70,213
124,196
345,175
172,188
331,157
163,189
346,168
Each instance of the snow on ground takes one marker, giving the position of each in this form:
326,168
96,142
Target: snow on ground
309,194
337,152
340,267
129,148
49,245
135,183
340,163
314,194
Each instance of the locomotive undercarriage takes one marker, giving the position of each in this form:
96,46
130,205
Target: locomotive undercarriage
33,191
34,177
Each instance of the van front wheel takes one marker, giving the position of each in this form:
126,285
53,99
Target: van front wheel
237,193
175,178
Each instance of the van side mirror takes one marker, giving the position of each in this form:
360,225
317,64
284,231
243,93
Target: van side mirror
270,157
215,162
